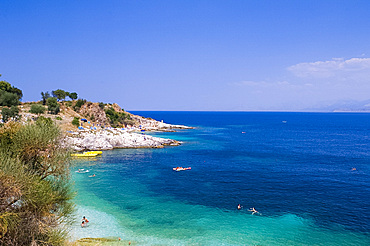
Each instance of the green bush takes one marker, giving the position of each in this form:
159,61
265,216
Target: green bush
117,119
76,121
8,113
8,99
68,103
79,104
34,176
37,109
59,118
101,105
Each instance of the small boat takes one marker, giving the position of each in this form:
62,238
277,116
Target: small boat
177,169
84,155
99,152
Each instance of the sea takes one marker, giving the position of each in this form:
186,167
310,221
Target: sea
307,175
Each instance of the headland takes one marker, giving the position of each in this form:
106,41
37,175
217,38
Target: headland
99,126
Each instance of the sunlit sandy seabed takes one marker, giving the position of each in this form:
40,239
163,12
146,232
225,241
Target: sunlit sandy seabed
153,220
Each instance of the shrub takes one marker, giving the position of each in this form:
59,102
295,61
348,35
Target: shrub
36,193
59,118
79,104
37,109
8,99
68,103
76,121
9,113
101,105
117,119
44,120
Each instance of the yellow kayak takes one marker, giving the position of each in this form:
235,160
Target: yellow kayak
98,152
85,155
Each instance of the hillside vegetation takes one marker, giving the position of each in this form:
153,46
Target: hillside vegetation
72,112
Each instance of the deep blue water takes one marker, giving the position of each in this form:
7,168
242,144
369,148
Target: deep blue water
283,164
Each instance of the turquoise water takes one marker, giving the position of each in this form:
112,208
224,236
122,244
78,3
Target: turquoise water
294,168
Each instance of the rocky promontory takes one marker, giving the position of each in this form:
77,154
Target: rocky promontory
101,126
115,138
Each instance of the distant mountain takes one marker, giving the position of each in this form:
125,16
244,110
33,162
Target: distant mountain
343,106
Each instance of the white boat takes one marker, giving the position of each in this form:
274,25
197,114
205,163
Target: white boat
177,169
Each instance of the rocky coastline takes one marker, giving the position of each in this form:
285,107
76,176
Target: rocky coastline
95,131
112,138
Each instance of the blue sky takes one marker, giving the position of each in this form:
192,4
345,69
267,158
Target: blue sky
189,55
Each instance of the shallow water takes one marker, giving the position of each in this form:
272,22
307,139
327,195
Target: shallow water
297,174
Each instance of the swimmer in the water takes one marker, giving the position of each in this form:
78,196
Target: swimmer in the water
253,210
239,207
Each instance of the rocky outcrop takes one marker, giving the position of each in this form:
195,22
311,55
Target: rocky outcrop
114,138
154,125
97,134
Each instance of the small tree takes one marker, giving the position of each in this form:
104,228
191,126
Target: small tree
8,99
6,86
72,95
53,105
37,109
44,96
59,94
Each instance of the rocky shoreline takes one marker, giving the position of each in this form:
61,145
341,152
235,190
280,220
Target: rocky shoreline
94,131
112,138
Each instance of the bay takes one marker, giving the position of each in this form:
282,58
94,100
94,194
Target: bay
306,173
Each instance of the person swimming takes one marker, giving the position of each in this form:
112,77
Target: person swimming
239,207
84,220
253,210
